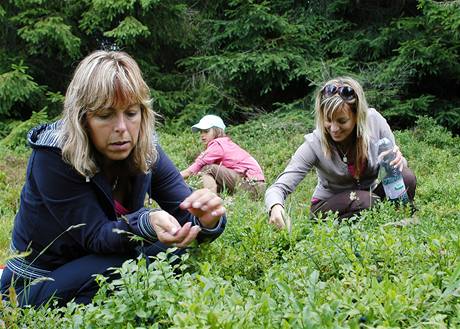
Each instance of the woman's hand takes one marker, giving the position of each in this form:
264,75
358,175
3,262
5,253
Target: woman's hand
399,160
205,205
170,232
279,218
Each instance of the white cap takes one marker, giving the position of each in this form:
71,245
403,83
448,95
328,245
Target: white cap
209,121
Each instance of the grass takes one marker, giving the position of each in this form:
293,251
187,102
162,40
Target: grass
12,172
380,271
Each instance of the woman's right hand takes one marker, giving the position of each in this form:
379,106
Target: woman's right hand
170,232
278,216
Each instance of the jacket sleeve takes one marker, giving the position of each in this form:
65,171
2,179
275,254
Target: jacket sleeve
384,128
169,189
74,205
214,153
299,165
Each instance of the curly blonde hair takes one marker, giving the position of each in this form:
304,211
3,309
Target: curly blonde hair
105,79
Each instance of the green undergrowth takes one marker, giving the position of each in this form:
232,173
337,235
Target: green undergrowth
382,269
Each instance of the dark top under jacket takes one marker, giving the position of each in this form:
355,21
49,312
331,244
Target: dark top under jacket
64,215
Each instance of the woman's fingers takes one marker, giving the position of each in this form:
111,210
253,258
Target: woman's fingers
277,216
189,237
382,155
170,232
205,205
184,236
202,199
162,221
181,234
207,201
277,221
398,160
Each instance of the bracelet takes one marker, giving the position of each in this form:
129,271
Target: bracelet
270,211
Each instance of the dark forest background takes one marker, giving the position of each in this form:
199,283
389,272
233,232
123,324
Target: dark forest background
237,58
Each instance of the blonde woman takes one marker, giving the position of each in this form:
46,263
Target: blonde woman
86,183
343,150
224,164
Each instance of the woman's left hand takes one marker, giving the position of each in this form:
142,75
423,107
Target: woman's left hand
398,161
170,232
205,205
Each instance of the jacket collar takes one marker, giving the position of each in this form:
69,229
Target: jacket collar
45,135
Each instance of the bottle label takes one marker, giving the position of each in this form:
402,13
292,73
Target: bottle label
394,187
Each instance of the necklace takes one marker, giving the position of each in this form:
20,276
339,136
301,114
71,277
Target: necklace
115,184
344,155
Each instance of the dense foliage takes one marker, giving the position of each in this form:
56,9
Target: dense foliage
384,270
238,58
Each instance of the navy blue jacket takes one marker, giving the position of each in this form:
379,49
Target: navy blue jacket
64,215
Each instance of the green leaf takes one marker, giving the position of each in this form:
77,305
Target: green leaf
16,86
128,31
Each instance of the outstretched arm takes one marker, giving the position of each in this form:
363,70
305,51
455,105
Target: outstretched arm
200,207
275,196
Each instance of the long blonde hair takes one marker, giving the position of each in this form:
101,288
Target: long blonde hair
105,79
325,107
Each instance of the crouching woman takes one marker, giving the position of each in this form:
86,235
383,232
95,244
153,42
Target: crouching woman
87,181
343,150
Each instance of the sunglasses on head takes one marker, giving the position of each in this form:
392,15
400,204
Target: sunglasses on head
347,93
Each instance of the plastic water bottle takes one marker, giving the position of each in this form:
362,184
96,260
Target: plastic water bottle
391,177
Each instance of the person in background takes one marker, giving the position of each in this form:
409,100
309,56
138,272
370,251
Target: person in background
343,150
224,164
86,185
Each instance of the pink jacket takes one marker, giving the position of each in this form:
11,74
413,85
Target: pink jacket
224,151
